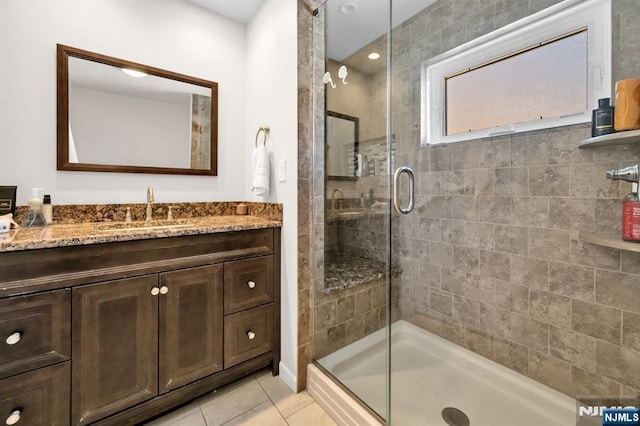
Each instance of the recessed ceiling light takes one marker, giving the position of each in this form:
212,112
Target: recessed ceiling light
374,55
348,8
134,73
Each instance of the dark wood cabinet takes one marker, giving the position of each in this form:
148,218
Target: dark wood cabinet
115,347
190,325
36,398
35,331
117,333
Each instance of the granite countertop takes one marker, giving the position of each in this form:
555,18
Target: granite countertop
61,235
349,271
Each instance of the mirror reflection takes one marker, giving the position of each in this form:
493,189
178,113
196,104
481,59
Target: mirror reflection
342,145
120,116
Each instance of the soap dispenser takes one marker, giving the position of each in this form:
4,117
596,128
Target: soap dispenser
630,203
34,217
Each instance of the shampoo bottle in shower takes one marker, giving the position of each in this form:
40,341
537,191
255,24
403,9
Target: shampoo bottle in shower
630,203
602,118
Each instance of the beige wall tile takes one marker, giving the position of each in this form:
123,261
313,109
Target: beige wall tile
586,383
530,333
550,371
571,280
495,265
631,330
575,348
617,363
512,239
618,289
550,308
511,355
530,272
550,181
596,320
549,244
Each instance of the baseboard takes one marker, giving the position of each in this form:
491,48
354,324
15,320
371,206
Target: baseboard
288,377
335,401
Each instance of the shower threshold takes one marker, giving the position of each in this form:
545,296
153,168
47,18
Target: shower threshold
430,374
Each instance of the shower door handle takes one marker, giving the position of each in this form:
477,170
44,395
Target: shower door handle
396,188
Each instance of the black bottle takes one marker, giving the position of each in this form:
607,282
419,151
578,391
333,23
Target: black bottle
602,118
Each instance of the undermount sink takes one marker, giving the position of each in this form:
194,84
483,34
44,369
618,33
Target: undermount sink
140,226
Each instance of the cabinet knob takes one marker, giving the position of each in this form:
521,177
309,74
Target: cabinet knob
164,289
251,335
13,339
251,284
13,418
155,291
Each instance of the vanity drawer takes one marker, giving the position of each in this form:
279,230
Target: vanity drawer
36,398
248,334
248,283
34,331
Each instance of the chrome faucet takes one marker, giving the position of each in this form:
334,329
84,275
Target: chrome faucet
339,201
149,216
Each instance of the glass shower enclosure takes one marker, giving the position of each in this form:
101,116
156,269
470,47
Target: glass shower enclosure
452,280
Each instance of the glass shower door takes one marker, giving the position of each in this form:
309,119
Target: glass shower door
353,308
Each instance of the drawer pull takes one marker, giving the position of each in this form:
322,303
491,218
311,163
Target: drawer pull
164,289
251,284
13,418
13,339
155,291
251,335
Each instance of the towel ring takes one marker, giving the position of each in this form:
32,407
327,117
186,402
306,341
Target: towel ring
265,130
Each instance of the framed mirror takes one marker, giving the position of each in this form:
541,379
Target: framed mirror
342,158
115,115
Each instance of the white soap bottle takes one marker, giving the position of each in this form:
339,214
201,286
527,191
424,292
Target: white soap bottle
34,217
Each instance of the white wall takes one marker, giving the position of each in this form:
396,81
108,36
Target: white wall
255,66
272,72
170,34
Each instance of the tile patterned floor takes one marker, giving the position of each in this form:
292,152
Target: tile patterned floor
259,399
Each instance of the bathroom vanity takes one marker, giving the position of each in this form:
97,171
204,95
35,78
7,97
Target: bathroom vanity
117,328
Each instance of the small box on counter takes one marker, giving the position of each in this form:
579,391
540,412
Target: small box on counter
8,200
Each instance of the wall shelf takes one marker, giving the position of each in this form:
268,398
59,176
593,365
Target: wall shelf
619,138
609,240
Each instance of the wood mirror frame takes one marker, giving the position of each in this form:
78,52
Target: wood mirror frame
63,160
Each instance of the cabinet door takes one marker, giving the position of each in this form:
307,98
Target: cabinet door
191,319
37,398
115,346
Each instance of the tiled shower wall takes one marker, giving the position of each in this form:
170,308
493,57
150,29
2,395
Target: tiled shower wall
491,257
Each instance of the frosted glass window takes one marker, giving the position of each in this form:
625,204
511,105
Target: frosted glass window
546,70
546,81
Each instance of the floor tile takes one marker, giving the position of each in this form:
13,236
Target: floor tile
231,401
311,415
264,414
282,396
189,415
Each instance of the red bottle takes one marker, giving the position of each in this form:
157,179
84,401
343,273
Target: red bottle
630,203
631,218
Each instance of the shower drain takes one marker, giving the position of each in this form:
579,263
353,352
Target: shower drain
454,417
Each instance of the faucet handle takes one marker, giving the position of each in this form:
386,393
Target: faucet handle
150,195
170,213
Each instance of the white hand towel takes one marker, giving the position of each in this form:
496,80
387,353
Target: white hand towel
260,170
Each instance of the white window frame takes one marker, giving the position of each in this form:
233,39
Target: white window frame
557,20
